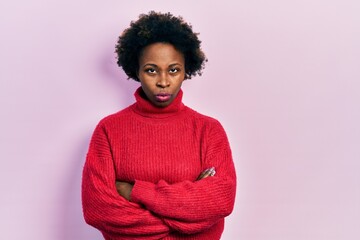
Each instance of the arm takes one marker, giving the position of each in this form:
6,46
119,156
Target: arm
191,207
124,189
103,207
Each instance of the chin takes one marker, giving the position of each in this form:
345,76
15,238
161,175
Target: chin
161,104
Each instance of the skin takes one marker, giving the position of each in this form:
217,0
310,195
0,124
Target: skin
161,71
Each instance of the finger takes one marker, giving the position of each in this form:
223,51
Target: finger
206,174
203,174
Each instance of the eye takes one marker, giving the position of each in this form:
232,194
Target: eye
150,70
174,70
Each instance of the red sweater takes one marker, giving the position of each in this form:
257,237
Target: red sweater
162,151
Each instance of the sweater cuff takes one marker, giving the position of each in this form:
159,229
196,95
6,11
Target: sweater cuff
142,192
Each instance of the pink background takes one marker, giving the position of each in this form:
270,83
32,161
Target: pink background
283,77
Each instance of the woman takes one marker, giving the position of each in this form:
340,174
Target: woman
150,168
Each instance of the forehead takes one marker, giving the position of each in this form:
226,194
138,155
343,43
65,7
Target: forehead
161,54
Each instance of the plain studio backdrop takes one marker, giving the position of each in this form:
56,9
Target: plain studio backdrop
283,78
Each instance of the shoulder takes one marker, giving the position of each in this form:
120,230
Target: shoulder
211,131
117,117
208,122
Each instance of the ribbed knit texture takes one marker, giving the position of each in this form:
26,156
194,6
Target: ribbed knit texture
162,151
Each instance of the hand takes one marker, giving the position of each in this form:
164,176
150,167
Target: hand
206,173
124,189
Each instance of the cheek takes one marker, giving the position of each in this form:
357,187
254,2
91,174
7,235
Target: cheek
181,80
144,80
178,78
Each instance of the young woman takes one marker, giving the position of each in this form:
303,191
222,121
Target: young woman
150,168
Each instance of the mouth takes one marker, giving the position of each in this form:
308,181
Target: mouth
162,97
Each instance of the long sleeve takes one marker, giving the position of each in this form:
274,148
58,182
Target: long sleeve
191,207
104,208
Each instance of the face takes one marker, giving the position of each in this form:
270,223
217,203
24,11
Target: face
161,73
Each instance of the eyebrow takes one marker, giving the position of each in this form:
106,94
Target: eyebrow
154,65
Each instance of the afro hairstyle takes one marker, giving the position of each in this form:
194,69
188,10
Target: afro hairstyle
159,27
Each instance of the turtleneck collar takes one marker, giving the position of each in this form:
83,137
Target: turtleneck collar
145,108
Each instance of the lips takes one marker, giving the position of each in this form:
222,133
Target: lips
162,97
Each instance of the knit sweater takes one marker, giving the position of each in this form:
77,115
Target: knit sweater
161,151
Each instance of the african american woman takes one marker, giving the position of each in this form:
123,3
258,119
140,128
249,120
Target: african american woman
158,169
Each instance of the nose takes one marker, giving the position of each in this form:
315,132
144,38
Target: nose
163,81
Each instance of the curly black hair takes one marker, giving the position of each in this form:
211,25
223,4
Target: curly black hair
159,27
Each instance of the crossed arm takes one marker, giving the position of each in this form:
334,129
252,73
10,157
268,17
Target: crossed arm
117,208
124,188
107,207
